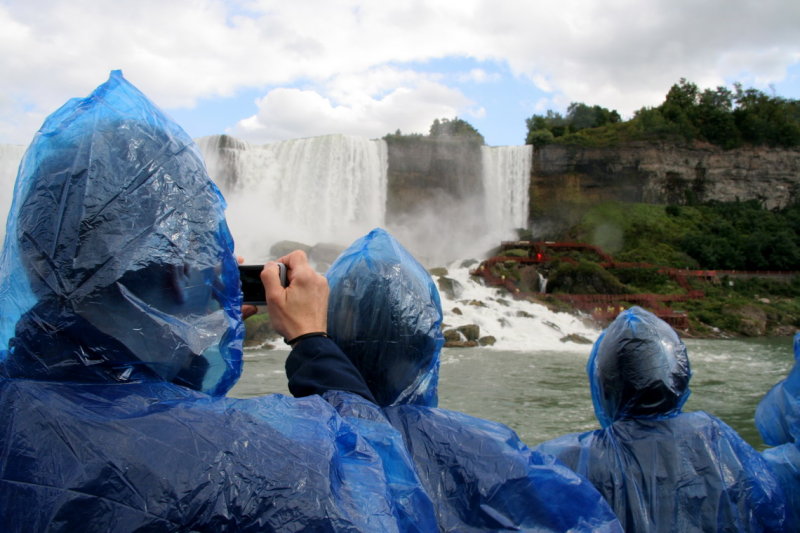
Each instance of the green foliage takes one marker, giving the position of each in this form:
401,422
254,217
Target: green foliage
440,128
721,116
581,116
543,129
454,128
729,235
745,236
583,277
539,137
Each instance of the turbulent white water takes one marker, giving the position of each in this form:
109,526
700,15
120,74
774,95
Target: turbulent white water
516,324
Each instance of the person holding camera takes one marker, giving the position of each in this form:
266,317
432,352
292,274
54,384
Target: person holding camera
121,332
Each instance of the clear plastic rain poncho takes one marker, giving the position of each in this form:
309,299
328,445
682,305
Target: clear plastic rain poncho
659,468
385,313
121,332
778,421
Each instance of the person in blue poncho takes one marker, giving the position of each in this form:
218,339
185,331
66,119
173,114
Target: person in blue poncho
778,421
121,332
661,469
385,314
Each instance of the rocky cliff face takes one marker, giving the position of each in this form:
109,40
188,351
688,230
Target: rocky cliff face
566,180
430,173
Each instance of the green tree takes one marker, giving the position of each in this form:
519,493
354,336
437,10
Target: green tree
713,118
581,116
454,128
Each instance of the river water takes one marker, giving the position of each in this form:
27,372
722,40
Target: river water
545,393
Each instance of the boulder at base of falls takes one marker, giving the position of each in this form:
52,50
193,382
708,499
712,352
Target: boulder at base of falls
323,255
450,287
471,332
461,344
577,339
488,340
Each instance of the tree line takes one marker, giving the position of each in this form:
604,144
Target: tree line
723,117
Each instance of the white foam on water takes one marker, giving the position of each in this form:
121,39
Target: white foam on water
518,325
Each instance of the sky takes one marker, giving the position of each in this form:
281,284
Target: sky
265,71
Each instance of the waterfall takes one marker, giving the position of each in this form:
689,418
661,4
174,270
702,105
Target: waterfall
506,182
542,283
321,189
333,188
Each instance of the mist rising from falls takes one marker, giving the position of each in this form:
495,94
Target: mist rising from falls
321,189
334,189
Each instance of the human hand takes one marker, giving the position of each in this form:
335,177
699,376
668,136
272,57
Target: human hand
302,306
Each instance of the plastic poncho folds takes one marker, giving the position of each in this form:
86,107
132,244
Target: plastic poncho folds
778,421
659,468
121,333
385,313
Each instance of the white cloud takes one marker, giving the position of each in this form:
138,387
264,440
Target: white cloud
621,54
290,113
479,75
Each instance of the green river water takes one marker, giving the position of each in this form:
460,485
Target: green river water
545,393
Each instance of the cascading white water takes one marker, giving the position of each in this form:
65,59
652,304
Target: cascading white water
515,324
506,182
321,189
334,189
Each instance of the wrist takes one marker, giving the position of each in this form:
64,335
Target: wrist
298,338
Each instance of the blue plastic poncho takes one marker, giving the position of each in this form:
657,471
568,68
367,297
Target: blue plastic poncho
659,468
385,313
778,421
121,332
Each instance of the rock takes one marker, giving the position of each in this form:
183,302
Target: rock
461,344
529,279
451,335
324,254
471,332
550,324
281,248
437,271
450,287
476,303
466,263
524,314
577,339
570,179
456,311
752,320
257,329
488,340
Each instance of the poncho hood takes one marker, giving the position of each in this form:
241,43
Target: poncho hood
778,413
118,264
638,368
384,312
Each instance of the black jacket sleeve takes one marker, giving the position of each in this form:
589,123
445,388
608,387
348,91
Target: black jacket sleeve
317,365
